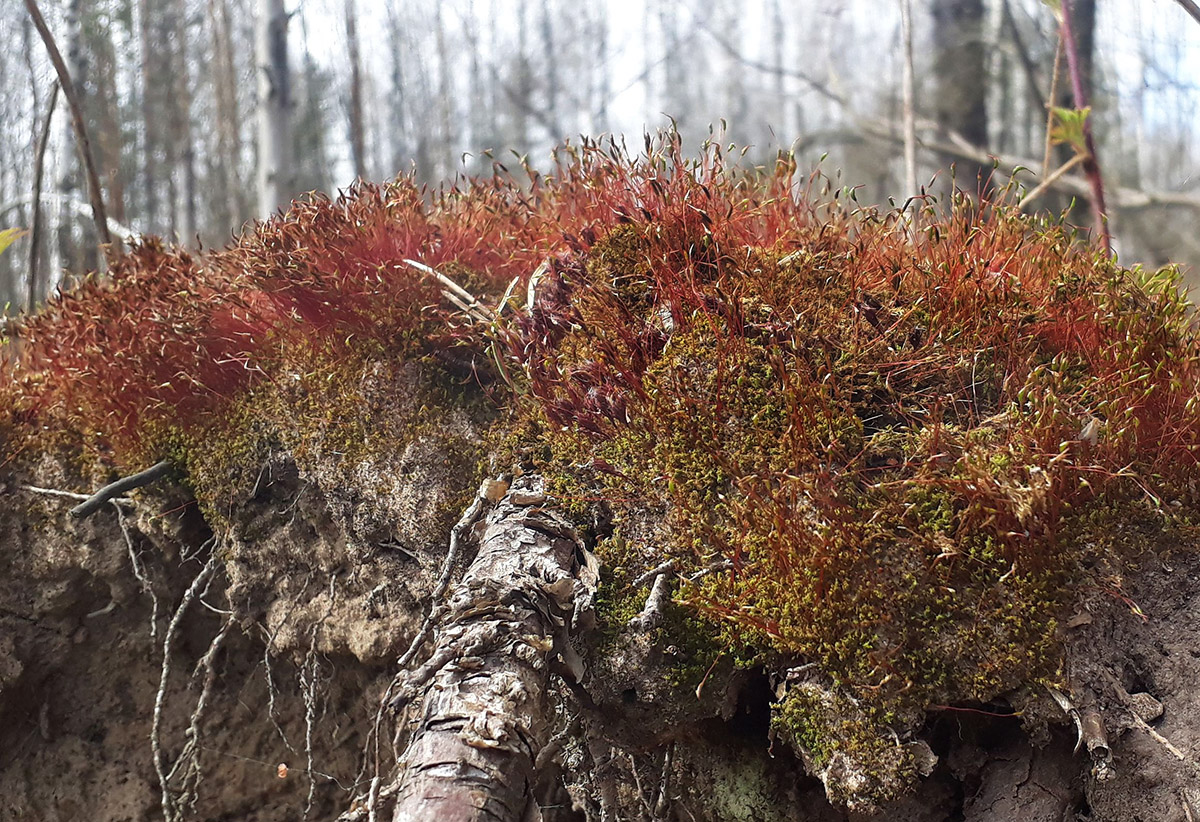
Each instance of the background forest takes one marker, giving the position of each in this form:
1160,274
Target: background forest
171,93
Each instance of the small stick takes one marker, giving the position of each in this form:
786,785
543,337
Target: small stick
54,492
654,573
457,294
651,614
1051,180
1126,700
1191,8
92,504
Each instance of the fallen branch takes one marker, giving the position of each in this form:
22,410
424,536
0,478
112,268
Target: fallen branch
122,231
1050,180
456,294
1127,702
486,493
1010,165
92,504
486,709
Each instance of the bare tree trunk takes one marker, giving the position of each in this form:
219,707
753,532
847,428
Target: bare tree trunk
150,115
75,104
229,142
357,144
36,286
398,93
601,69
552,70
274,107
524,79
959,66
445,97
105,112
181,115
485,712
786,132
910,104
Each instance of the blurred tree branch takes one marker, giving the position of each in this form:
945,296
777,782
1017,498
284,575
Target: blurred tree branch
95,195
1191,8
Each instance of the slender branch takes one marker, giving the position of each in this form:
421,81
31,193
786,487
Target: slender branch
123,232
1091,166
1191,8
35,231
1027,65
95,197
1047,183
1050,99
958,146
92,504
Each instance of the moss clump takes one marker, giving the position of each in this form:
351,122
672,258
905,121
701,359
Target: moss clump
344,416
840,743
870,444
886,439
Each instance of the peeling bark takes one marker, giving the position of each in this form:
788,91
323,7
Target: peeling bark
485,710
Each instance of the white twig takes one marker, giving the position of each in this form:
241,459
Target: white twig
654,573
531,289
54,492
458,295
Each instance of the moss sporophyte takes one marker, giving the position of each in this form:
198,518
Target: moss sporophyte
894,445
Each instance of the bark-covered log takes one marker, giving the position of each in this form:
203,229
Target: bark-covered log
484,714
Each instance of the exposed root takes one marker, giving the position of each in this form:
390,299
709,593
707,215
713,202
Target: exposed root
188,759
139,573
196,589
54,492
309,681
1127,701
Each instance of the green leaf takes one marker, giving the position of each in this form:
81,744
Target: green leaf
1068,127
9,236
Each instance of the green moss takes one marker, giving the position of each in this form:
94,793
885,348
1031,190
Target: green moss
346,408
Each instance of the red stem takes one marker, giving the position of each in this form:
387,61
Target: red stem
1091,166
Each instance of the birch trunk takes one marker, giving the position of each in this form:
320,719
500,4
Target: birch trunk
274,107
485,710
